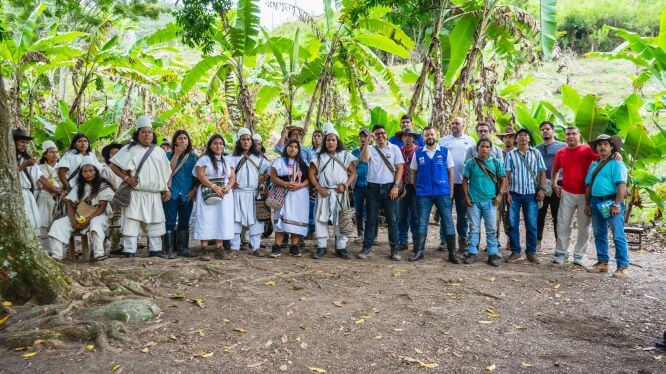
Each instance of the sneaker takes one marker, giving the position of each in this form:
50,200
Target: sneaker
578,267
471,259
515,257
342,253
403,247
559,258
295,250
365,253
320,253
599,267
621,273
494,260
532,257
276,251
578,260
395,255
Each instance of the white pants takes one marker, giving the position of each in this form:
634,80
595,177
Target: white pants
58,247
130,243
255,242
571,204
321,233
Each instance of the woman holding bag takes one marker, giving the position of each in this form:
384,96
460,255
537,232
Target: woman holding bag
215,202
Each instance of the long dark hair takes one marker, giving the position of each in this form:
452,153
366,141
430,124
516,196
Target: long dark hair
339,148
135,138
96,183
238,151
210,153
77,136
178,133
42,160
299,159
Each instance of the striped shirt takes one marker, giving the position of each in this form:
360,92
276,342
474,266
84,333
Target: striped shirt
521,178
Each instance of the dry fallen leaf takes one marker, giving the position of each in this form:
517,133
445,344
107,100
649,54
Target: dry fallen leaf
526,365
317,370
226,320
397,271
206,355
486,322
338,303
270,283
4,319
428,366
90,347
115,368
240,329
557,286
176,295
490,367
202,334
145,350
359,321
284,339
199,301
418,350
29,354
226,350
6,303
657,358
302,298
377,337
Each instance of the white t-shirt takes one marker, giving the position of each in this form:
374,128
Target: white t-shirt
377,170
414,165
458,150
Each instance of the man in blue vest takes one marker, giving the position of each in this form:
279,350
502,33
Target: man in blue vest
432,171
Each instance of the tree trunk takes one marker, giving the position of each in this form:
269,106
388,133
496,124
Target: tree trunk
26,271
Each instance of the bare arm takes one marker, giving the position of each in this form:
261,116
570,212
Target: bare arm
465,188
62,175
450,170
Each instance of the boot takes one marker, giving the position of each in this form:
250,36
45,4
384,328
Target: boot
295,250
222,254
395,254
168,247
462,244
342,253
419,249
320,253
276,251
451,244
365,253
360,233
182,243
205,252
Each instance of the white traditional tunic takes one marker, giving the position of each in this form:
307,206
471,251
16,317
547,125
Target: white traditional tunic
30,203
45,200
107,173
72,160
214,222
145,205
247,178
293,216
62,229
332,171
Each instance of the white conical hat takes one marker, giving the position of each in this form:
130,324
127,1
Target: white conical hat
257,137
48,144
143,121
243,131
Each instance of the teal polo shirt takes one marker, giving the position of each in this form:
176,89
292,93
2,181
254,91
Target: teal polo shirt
480,186
605,183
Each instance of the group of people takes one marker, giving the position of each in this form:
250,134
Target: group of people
165,192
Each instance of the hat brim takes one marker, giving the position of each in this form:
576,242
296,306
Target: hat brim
22,137
292,128
107,148
400,134
614,140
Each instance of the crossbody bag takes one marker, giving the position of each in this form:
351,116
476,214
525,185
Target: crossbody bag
122,197
401,190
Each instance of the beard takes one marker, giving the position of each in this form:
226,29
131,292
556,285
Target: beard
430,142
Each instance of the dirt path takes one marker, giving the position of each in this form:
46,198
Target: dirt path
293,314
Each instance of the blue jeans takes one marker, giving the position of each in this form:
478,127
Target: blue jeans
488,211
359,203
378,195
407,216
444,205
311,221
528,204
600,226
177,211
461,214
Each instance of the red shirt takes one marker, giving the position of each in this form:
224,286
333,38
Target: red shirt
574,164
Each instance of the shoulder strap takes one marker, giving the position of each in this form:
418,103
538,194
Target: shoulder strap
597,170
527,166
486,170
386,161
144,158
74,173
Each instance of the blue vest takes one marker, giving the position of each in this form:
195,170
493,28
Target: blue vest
432,177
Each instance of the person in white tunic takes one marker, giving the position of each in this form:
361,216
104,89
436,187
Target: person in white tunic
30,176
69,165
149,188
251,169
46,201
215,201
115,220
88,209
332,171
290,172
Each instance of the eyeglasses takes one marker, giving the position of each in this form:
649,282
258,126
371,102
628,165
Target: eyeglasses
380,133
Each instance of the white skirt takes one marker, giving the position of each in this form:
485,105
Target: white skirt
214,222
31,209
293,216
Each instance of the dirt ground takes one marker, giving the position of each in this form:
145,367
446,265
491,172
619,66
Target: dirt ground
377,316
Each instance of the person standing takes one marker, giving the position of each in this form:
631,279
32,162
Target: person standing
508,138
606,188
432,173
332,172
215,200
483,131
548,149
46,202
360,185
526,173
69,165
149,188
407,214
573,161
296,133
178,209
405,124
291,173
251,169
484,182
385,164
115,218
458,143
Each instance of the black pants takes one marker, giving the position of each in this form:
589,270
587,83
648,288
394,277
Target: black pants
461,212
553,202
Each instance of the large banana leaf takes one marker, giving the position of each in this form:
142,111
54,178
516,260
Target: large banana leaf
461,38
383,43
378,116
570,98
639,145
244,33
526,120
591,119
199,70
548,27
389,30
52,40
627,114
29,27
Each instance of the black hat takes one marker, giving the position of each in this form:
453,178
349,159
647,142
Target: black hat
524,130
411,132
106,151
20,134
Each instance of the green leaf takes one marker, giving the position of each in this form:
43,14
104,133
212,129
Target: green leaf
548,27
265,96
378,116
591,119
525,119
199,70
461,38
311,70
52,40
570,98
30,25
293,58
383,43
639,144
389,30
328,16
65,131
244,33
551,108
661,38
165,34
91,127
627,114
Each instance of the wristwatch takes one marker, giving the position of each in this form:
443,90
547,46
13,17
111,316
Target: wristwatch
617,205
397,185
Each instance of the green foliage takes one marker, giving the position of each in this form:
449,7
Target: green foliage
548,27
